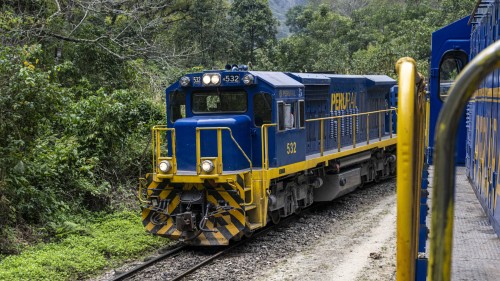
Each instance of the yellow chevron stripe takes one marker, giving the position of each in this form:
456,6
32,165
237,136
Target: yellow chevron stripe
149,227
230,226
173,204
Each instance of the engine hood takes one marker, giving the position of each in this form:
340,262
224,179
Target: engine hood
232,158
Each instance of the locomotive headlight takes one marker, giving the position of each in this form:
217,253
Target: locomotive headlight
211,79
185,81
206,79
164,166
248,79
207,166
215,79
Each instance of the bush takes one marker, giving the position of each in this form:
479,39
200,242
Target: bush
65,148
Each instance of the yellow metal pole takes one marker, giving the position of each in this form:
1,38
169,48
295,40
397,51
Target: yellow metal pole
379,127
338,133
354,132
174,155
198,150
219,151
406,239
321,133
153,149
390,123
368,128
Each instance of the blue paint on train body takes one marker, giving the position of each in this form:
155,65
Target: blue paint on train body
478,135
286,100
449,40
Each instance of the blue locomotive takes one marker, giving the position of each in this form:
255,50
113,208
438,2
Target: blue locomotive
243,148
477,143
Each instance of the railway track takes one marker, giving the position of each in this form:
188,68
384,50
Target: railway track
138,268
184,262
175,251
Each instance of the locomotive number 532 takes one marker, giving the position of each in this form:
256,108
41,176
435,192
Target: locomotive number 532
291,148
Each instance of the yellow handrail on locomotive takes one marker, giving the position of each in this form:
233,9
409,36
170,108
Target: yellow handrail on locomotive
353,116
410,154
156,154
444,162
156,147
219,154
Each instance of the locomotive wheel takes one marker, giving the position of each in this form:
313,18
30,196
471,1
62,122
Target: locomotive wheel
275,216
298,210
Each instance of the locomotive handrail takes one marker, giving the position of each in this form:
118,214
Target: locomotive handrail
410,151
157,144
353,116
219,153
264,143
444,162
219,147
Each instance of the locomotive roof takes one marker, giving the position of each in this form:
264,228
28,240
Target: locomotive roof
371,80
311,78
276,79
480,10
326,79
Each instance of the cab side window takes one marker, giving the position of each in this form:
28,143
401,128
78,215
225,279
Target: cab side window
262,109
287,116
177,106
449,68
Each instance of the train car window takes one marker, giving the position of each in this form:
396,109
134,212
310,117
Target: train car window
302,114
219,101
449,68
177,106
287,116
281,116
262,109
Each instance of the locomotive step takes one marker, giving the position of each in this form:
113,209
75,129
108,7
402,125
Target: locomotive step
249,207
253,226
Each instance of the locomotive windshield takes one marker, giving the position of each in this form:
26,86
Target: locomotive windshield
219,101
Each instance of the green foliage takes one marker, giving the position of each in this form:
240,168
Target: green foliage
107,242
254,27
65,147
367,39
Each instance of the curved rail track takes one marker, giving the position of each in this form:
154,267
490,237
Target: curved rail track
205,261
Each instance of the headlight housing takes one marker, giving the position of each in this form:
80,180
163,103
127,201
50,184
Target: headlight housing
211,79
164,166
184,81
207,166
248,79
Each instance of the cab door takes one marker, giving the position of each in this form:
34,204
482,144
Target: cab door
450,54
290,131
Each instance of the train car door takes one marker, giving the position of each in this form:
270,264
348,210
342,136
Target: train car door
290,122
450,53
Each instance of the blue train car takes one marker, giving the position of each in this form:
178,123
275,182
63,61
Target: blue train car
482,142
453,46
247,147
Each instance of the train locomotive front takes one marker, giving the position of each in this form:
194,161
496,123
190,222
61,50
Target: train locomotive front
243,148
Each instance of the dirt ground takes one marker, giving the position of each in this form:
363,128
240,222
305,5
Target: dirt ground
360,249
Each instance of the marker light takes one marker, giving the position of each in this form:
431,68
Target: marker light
207,166
185,81
248,79
164,166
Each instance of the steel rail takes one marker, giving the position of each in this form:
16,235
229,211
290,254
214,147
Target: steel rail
444,159
149,263
257,234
